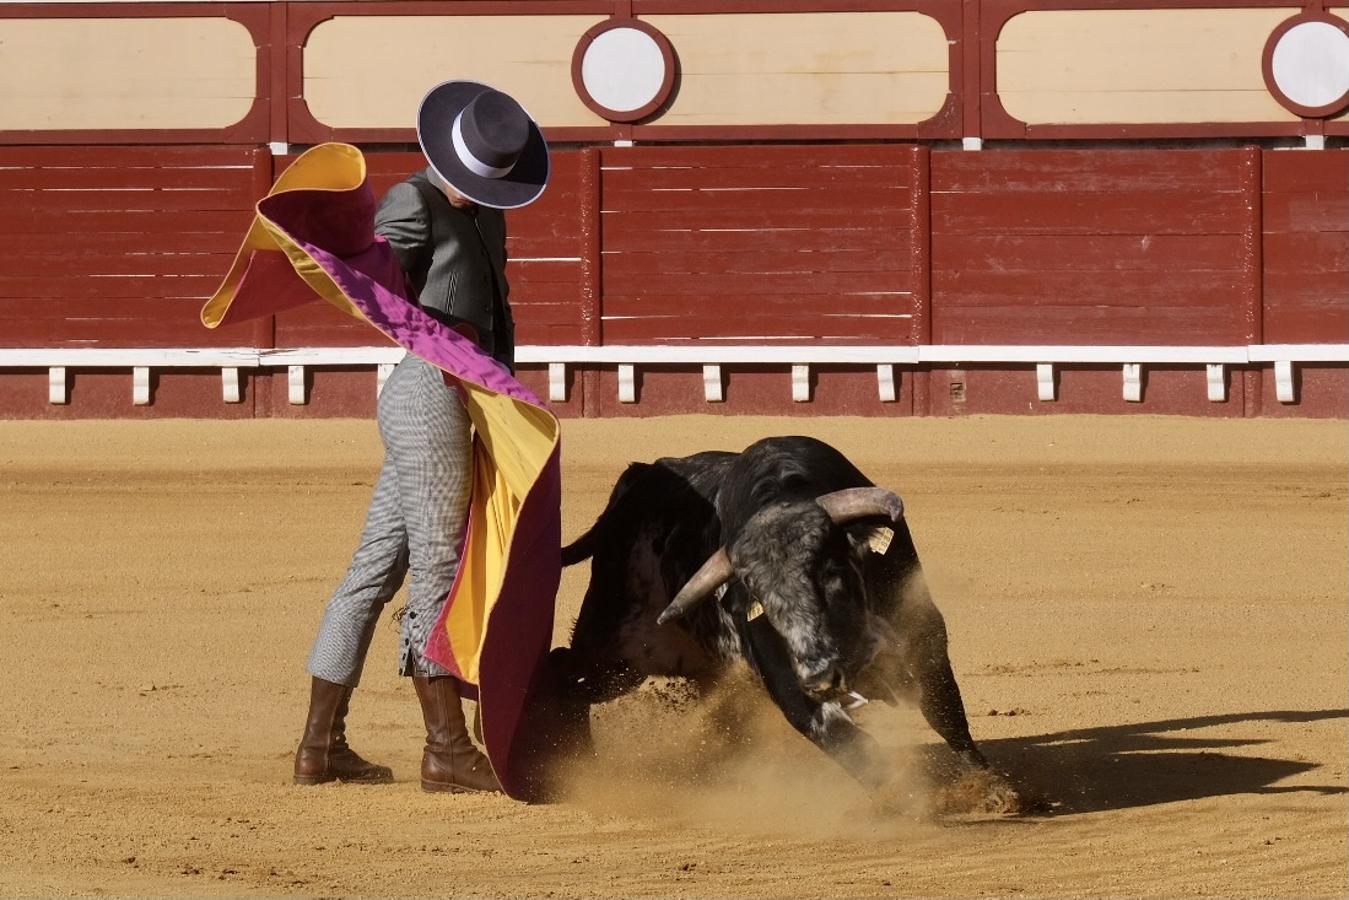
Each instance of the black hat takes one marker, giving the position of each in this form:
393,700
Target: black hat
483,144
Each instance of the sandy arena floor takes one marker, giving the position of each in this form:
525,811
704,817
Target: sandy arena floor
1148,620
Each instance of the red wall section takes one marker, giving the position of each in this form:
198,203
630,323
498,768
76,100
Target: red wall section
755,243
119,246
845,244
1306,253
1092,246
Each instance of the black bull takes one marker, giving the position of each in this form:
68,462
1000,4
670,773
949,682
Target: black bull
826,605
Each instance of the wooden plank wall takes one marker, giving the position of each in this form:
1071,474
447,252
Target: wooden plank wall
1305,299
755,243
1092,247
1306,248
845,244
116,246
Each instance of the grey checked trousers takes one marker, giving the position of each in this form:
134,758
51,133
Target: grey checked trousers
415,525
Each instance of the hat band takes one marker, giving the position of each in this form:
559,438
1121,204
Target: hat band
471,162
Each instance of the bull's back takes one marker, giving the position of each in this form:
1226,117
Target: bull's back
792,467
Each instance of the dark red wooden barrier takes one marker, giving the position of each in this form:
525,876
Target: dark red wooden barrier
1306,247
117,246
1094,246
848,244
755,243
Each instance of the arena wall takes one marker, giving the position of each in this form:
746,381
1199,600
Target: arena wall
820,206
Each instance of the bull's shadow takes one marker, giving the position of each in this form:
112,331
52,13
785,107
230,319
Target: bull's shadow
1144,763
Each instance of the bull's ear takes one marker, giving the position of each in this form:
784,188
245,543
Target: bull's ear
875,539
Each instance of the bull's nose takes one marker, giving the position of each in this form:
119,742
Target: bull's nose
830,684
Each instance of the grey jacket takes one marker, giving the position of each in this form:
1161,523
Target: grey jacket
455,258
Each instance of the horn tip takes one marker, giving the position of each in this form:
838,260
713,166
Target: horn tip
669,614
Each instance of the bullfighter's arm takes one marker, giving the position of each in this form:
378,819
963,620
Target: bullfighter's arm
404,221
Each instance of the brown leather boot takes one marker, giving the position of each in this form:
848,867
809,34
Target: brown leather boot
450,763
324,755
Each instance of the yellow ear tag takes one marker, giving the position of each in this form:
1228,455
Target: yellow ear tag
879,539
755,610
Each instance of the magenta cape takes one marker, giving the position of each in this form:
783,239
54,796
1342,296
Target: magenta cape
312,238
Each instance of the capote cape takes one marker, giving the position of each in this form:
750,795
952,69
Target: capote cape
313,238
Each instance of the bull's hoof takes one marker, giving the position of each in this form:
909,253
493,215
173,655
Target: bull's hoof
979,792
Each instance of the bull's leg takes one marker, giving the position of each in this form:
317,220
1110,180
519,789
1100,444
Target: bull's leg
825,724
582,681
939,699
923,639
570,705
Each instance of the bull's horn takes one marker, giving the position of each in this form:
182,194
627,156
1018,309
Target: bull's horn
858,503
713,574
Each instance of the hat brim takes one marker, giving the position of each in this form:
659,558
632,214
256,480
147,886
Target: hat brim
435,118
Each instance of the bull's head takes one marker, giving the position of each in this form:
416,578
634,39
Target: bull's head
799,563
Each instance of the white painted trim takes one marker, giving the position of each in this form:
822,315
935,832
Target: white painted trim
711,356
382,373
701,353
140,386
331,356
1119,355
1217,378
295,385
706,353
111,357
229,385
57,390
1299,352
714,389
1283,381
557,382
1044,381
800,384
627,384
887,383
1133,382
1217,382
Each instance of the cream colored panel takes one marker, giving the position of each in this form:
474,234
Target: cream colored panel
372,71
1138,66
806,68
125,73
1343,13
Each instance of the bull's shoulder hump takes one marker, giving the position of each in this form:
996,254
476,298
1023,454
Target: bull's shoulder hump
802,455
700,460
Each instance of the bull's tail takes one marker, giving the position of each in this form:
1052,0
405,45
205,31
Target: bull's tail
582,548
588,544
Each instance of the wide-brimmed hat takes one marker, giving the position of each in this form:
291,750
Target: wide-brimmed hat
483,144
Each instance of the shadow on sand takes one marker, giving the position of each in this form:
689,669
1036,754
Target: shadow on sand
1144,763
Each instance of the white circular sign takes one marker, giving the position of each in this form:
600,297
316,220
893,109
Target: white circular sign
623,69
1311,64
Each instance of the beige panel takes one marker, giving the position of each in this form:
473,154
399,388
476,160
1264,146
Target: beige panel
1138,66
125,73
806,68
372,71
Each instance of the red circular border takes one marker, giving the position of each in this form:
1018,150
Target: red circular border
667,83
1267,66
